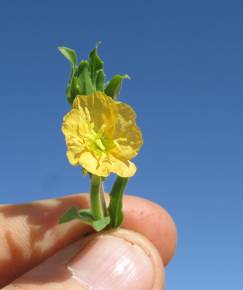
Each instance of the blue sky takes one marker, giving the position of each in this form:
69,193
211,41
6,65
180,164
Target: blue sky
185,60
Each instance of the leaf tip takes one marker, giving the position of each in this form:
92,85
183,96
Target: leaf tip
126,77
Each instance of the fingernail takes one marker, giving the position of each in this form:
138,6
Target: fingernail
112,263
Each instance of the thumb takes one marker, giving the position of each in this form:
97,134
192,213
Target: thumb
119,259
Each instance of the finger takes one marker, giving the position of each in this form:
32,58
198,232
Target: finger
30,233
152,221
119,260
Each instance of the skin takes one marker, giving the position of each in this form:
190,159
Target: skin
29,233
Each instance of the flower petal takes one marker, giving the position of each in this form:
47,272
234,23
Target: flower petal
102,109
121,168
127,137
91,164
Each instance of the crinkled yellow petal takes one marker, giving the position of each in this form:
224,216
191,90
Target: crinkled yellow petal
121,168
127,136
73,158
71,125
91,164
101,135
102,109
73,122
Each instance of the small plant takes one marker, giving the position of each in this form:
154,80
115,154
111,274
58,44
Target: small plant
101,136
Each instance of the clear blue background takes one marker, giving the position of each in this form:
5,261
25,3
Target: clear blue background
186,63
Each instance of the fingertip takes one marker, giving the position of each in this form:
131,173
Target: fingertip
152,221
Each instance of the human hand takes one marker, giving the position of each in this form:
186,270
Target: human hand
119,259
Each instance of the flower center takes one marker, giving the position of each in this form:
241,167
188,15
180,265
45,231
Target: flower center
99,144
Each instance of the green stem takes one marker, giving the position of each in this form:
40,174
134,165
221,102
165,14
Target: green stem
102,192
96,200
115,206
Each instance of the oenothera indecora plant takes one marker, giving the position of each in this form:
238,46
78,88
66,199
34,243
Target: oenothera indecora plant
101,136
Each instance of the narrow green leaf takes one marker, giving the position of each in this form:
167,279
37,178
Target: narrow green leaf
100,80
74,90
86,214
115,206
95,63
68,92
69,53
99,225
114,86
74,213
84,81
69,215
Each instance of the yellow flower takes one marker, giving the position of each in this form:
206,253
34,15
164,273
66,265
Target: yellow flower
101,135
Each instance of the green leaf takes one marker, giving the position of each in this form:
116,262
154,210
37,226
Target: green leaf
86,214
99,225
68,92
95,64
72,87
100,80
69,53
74,90
74,213
114,86
86,217
115,206
84,81
71,214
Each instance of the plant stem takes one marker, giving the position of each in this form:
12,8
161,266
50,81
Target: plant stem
102,193
96,199
115,206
